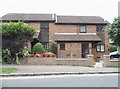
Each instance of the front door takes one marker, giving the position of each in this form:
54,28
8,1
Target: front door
85,50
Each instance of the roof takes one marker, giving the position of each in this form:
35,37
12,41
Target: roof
29,17
79,37
53,17
81,19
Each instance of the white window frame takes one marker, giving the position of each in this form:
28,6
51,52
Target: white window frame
100,48
82,29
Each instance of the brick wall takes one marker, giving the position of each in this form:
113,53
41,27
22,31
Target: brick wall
56,61
72,50
109,62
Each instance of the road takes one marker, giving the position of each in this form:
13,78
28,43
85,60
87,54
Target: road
85,80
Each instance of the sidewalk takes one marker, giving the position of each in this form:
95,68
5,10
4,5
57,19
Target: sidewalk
26,70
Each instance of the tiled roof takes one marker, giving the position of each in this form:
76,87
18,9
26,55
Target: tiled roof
53,17
29,17
77,37
80,19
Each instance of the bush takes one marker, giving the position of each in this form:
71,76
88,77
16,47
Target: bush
6,56
24,53
38,48
53,48
113,48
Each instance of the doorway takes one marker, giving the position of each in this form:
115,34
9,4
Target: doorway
85,50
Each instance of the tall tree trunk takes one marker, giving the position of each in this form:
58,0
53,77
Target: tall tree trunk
118,48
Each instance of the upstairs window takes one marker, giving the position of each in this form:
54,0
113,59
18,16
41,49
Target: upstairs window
100,28
62,46
44,25
82,29
100,48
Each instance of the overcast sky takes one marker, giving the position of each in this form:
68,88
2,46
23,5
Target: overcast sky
108,9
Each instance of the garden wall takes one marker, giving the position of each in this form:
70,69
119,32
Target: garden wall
107,62
57,61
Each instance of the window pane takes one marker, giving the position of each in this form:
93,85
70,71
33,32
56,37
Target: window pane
98,47
82,29
62,46
102,48
45,45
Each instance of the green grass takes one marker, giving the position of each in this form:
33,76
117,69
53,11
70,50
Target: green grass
114,66
7,70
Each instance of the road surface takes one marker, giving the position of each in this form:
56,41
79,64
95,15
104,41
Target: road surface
85,80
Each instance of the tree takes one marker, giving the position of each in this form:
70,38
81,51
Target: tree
53,48
15,35
114,32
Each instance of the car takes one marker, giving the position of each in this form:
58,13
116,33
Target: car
115,54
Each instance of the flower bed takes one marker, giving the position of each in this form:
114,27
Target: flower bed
44,55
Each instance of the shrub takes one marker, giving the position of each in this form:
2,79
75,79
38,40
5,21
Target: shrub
6,56
113,48
53,48
38,48
24,53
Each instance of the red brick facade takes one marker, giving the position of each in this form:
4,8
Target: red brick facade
74,49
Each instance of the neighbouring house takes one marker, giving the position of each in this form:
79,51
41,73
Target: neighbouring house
75,36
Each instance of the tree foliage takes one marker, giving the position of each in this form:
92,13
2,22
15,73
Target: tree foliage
114,31
38,48
53,48
113,48
15,35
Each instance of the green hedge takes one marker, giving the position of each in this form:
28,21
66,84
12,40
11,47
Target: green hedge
38,48
53,48
113,48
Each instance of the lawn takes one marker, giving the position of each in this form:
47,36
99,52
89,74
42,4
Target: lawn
7,70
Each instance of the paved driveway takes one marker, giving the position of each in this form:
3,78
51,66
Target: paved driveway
56,68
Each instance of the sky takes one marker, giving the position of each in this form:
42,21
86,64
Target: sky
108,9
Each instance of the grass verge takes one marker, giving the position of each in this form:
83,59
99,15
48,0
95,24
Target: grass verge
7,70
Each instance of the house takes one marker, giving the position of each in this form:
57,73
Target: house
75,36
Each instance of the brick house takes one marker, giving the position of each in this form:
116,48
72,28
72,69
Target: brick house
75,36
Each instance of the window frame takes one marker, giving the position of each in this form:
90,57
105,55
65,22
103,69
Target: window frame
80,29
62,48
45,45
100,46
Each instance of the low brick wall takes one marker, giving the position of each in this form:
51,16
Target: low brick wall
57,61
110,62
75,62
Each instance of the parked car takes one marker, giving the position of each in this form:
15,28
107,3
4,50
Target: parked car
115,54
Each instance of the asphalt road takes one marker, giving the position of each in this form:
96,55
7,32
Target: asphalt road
89,80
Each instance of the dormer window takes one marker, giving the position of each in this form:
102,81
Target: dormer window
83,29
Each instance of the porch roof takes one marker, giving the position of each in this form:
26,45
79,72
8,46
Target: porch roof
78,37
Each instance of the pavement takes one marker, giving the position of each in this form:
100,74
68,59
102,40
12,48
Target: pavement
36,70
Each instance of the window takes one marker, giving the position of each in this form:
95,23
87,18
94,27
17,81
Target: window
45,45
44,25
62,46
100,28
82,29
100,48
